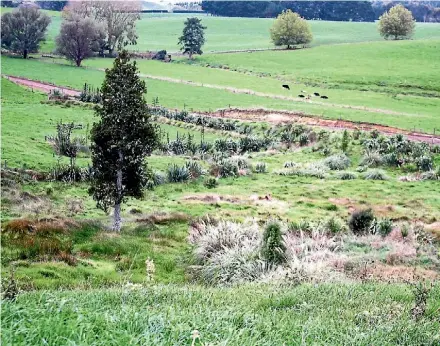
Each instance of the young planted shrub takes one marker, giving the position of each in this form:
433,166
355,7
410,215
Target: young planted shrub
155,179
384,227
344,141
225,168
273,248
176,174
337,162
347,176
371,158
210,182
241,162
360,221
334,225
289,164
303,139
260,167
194,168
375,174
424,163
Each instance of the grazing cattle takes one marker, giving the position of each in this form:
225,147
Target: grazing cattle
301,96
316,94
324,97
285,86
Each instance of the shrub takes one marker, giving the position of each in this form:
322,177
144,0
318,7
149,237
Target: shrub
260,167
344,141
211,182
70,173
273,248
424,163
176,174
155,179
347,175
337,162
391,159
241,162
431,175
384,227
303,139
225,168
195,169
375,174
334,225
371,159
289,164
360,221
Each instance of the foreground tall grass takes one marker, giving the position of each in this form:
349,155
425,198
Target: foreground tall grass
368,314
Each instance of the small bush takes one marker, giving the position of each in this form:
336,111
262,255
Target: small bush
273,248
384,227
303,139
335,225
337,162
371,159
210,183
155,179
360,221
225,168
260,167
347,176
289,164
424,163
176,174
375,174
195,169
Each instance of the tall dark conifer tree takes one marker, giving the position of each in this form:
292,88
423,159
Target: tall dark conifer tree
122,138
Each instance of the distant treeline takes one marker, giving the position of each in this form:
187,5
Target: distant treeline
358,11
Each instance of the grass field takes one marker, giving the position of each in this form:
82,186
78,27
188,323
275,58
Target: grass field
407,112
161,31
400,66
192,252
167,315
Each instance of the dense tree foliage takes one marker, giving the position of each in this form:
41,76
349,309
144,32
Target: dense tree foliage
79,38
193,37
52,5
289,29
325,10
423,11
122,138
23,30
397,23
117,17
362,11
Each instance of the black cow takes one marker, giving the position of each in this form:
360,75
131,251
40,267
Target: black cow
316,94
285,86
301,96
324,97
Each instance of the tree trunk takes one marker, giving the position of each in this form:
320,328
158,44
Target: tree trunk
25,54
78,63
117,221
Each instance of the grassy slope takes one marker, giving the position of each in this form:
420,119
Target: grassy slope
201,98
161,31
324,314
26,122
402,64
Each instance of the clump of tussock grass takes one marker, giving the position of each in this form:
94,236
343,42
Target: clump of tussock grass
375,174
337,162
347,175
